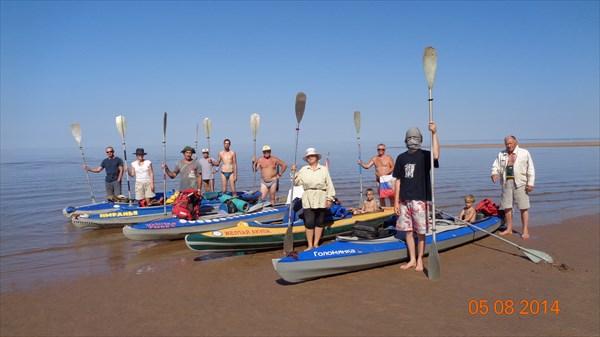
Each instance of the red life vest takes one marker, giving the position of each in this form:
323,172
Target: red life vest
187,205
487,207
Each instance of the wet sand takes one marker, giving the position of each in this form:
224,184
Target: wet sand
243,296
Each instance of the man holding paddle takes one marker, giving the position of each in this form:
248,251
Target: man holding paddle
413,191
272,169
189,169
228,160
114,172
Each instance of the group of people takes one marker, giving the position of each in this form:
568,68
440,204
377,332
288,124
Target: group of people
513,168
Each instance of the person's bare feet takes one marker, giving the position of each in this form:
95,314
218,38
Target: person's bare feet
408,265
525,235
308,248
419,267
508,231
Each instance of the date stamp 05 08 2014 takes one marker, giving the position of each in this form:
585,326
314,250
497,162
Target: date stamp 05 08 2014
509,307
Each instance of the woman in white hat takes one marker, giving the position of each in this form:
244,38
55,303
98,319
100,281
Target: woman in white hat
142,170
318,195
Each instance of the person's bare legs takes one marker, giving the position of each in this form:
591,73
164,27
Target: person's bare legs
508,216
420,251
232,184
318,234
223,183
525,222
310,233
410,245
273,193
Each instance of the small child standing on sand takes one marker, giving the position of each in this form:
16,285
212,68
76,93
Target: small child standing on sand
369,205
468,213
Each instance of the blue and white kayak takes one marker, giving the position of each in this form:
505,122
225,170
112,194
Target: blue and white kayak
174,228
105,206
349,254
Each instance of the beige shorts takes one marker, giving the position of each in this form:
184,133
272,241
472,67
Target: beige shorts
513,195
143,191
413,217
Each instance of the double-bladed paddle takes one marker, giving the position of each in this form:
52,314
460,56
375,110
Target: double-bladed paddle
288,240
357,125
254,124
430,66
76,131
534,255
122,127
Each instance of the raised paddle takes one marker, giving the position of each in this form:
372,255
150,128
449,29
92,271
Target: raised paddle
430,65
122,127
254,124
534,255
207,127
196,139
76,131
288,240
164,148
357,125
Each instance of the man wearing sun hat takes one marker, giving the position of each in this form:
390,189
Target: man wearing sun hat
207,172
189,169
318,195
271,169
143,172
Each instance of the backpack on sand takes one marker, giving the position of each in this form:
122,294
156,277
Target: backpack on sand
187,205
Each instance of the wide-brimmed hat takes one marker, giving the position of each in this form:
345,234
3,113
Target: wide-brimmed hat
188,148
311,151
140,150
266,148
204,150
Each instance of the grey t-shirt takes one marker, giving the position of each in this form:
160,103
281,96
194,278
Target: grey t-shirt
188,174
206,168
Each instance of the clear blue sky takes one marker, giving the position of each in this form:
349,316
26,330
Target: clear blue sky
524,68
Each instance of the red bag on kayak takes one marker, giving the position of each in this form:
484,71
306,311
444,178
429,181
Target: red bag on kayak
187,205
487,207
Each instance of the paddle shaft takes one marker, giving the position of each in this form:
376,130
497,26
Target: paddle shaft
434,257
538,254
121,129
87,174
164,150
288,240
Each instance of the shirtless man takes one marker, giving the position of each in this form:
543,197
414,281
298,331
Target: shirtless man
384,165
228,160
269,173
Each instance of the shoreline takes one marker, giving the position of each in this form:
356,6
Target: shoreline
533,144
243,296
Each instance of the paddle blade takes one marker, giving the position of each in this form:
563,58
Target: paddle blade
357,121
76,131
165,127
254,124
288,239
121,126
300,106
536,256
433,271
207,126
430,65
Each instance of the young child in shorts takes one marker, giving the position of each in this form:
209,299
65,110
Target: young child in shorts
369,205
468,213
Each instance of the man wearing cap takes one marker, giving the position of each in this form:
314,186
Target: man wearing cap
207,172
413,191
272,169
114,172
189,169
142,170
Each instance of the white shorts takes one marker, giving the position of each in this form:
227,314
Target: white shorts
511,194
413,216
143,191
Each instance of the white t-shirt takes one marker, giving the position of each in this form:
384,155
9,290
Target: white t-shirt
142,172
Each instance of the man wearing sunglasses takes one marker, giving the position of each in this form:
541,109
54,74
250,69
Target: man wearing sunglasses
114,173
384,165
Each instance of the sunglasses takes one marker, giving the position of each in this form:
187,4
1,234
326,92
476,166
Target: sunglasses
110,151
380,149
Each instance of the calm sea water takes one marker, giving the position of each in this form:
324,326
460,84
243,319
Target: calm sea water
39,245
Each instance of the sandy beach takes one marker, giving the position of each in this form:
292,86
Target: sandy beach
243,296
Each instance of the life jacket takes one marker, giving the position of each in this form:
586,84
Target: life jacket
187,205
487,207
